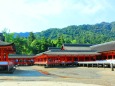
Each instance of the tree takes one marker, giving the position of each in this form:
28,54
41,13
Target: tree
8,36
60,41
31,38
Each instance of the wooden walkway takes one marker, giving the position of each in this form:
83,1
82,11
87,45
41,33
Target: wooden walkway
100,63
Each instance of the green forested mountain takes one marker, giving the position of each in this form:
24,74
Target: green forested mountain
93,34
33,43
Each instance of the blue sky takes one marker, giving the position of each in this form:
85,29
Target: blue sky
39,15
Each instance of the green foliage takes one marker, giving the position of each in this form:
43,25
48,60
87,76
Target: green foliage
31,38
39,42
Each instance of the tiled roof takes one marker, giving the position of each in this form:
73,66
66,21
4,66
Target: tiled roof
5,43
53,48
82,49
104,46
41,53
2,43
20,56
66,52
76,46
72,50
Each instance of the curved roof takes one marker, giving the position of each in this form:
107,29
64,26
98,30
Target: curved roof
3,44
71,49
53,48
20,56
78,45
66,52
104,46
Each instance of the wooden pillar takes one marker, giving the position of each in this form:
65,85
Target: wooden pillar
72,59
87,65
83,58
78,58
107,57
65,58
92,64
46,60
103,65
89,58
112,69
2,54
53,60
6,56
112,56
94,58
59,61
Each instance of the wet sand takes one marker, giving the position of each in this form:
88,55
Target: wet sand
38,75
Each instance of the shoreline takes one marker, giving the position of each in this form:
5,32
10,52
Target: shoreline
83,75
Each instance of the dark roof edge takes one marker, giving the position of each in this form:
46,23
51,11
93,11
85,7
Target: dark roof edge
72,45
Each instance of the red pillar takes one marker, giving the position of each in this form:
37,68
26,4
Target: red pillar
6,56
66,58
107,57
89,58
72,59
83,58
112,56
1,54
78,58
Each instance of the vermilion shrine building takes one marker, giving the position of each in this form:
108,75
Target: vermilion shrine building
5,50
68,54
73,54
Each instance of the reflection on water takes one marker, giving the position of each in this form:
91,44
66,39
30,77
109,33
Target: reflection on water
19,72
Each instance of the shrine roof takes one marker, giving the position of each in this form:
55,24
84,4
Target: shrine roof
2,43
54,48
77,45
104,46
20,56
64,52
5,44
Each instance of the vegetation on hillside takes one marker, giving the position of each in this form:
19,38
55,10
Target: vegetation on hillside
38,42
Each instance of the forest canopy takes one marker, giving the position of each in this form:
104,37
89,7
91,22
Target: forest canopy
34,43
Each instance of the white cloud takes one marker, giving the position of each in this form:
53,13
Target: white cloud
24,15
90,6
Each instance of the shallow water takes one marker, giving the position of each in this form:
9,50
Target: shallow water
24,72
